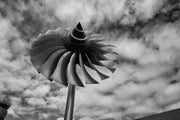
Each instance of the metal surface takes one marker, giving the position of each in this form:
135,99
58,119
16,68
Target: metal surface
70,103
56,54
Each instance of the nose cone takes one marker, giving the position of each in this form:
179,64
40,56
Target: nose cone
78,35
3,109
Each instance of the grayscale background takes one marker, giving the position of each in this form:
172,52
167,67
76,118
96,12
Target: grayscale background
146,35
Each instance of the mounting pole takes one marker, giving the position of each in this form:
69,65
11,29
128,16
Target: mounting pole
70,103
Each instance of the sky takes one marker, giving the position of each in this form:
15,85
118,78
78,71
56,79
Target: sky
145,34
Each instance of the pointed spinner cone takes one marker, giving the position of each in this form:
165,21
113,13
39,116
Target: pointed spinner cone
56,56
78,35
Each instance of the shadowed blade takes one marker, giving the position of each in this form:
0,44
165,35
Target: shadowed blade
73,77
50,65
38,60
88,78
59,75
101,75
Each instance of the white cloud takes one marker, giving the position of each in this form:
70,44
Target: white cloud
97,11
131,90
38,91
151,71
146,9
130,48
85,118
60,119
168,96
36,102
6,31
43,116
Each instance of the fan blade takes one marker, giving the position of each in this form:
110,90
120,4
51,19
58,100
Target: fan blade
98,52
89,79
40,35
50,32
101,75
49,66
60,75
99,44
59,30
38,60
99,55
38,50
73,78
94,43
94,60
115,53
42,39
94,40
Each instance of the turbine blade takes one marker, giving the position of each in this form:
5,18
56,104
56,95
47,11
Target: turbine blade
101,75
99,55
39,42
98,52
60,73
49,32
50,65
59,30
95,43
50,37
88,78
73,78
95,40
95,35
42,39
115,53
85,60
38,60
111,69
38,50
40,35
95,61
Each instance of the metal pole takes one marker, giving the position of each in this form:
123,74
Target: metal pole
70,103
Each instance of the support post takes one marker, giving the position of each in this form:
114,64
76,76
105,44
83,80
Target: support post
70,103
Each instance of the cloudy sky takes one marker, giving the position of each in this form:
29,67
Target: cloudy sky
145,34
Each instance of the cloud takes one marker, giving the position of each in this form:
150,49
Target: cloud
170,91
60,119
38,91
147,77
86,118
36,101
96,12
5,29
146,9
131,49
